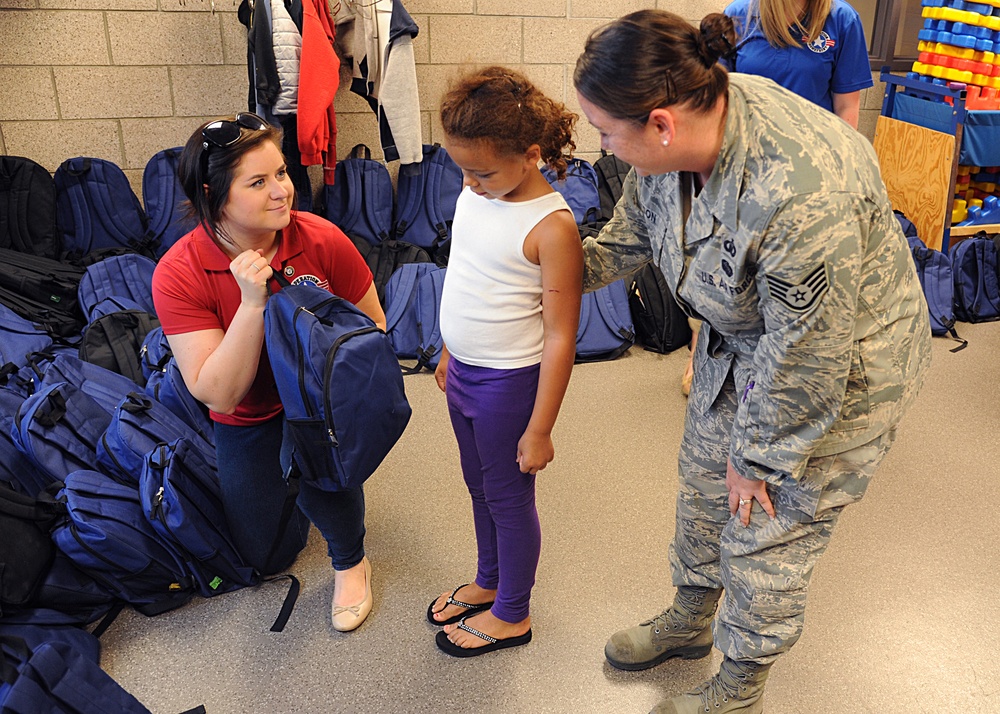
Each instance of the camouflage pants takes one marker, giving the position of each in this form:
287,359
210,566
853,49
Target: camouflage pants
765,568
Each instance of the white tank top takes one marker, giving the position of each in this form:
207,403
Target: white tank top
491,305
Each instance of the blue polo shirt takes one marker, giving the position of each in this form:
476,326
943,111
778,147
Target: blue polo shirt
836,63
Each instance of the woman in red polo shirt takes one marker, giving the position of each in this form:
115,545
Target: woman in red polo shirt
210,289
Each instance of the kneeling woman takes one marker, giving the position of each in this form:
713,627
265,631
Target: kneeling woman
209,290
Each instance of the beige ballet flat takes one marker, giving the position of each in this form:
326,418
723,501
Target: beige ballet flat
350,617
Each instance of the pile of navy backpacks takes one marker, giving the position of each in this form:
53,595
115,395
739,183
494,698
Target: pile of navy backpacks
962,285
108,489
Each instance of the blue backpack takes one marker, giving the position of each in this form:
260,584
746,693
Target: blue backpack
58,428
428,309
934,271
97,208
15,467
426,197
128,276
106,534
180,494
974,265
168,388
360,200
19,337
579,188
154,353
401,308
106,387
163,197
606,330
137,426
67,596
59,678
339,382
909,230
113,304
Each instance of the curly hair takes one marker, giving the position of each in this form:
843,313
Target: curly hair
501,106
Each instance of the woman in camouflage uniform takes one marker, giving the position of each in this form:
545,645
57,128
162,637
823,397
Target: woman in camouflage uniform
771,224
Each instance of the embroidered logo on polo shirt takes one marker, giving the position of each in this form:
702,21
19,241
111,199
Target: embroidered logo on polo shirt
821,44
311,279
801,296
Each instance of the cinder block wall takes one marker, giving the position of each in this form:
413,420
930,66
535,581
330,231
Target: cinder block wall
122,79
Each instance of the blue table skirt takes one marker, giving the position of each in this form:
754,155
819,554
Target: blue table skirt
981,136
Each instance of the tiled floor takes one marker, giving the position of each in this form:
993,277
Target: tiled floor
902,614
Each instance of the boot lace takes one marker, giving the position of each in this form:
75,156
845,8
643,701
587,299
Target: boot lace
674,618
670,619
729,683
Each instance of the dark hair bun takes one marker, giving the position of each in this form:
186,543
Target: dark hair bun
717,38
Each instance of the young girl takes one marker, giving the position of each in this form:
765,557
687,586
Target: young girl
509,315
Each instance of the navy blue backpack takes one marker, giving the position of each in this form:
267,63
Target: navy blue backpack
67,596
58,676
106,534
426,194
113,304
58,429
935,273
128,276
15,467
339,382
428,312
606,329
19,337
105,386
360,200
579,188
154,353
974,265
180,494
97,208
168,388
137,426
163,198
401,324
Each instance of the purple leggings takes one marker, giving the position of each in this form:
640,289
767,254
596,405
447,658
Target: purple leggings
490,409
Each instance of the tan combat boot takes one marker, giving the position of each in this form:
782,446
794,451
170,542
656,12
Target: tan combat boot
682,630
738,687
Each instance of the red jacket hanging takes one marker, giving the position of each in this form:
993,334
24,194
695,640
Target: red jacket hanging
319,77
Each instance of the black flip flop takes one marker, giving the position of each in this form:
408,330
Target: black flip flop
470,609
449,647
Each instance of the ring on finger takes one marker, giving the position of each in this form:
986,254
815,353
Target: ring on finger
745,502
255,267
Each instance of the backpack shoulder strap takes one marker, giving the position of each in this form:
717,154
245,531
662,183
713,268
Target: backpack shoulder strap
71,205
376,197
404,284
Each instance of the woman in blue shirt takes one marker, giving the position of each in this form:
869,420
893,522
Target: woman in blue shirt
815,48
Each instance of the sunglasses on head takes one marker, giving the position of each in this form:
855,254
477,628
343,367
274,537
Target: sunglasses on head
226,132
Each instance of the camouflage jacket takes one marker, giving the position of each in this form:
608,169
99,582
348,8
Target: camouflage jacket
792,256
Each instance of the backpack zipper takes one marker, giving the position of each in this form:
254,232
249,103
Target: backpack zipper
331,428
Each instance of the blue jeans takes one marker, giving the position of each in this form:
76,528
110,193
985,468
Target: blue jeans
253,461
